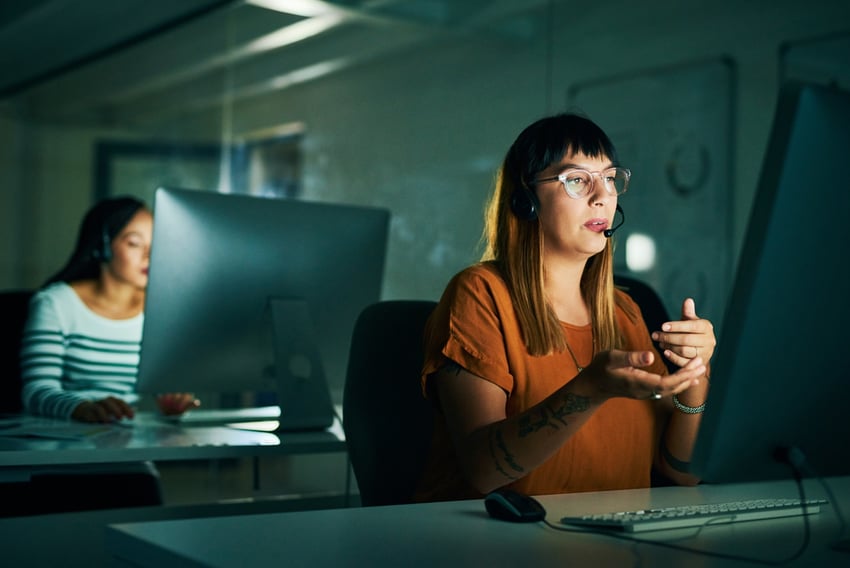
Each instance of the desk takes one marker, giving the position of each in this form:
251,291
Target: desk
460,533
149,438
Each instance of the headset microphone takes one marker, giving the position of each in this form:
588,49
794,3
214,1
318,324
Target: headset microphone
609,232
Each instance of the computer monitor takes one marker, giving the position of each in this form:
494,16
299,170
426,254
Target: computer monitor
259,296
780,377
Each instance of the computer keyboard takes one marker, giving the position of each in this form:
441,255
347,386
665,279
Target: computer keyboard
218,416
686,516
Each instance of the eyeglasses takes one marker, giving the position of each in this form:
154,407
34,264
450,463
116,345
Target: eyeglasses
579,183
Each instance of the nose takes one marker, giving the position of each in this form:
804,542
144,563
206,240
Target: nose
599,194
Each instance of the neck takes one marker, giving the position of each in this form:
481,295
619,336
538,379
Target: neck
111,299
563,291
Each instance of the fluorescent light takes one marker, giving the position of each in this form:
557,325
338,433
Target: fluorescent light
293,33
306,8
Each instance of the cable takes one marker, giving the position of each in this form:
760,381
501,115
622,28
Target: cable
796,460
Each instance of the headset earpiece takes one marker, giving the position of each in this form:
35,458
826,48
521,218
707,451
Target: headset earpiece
104,252
524,203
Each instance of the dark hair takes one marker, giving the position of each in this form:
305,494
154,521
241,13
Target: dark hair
547,140
101,224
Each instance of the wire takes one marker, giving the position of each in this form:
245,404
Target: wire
795,459
798,460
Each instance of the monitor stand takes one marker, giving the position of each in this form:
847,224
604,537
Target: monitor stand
302,389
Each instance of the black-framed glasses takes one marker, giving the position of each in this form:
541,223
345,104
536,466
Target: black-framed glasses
579,182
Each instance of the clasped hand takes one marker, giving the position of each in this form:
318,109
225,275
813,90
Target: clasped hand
688,343
688,338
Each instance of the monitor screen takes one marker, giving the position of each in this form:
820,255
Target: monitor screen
246,291
779,377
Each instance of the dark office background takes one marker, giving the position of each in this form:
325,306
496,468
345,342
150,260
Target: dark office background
404,104
407,104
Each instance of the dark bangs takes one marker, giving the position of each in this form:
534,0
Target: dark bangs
546,141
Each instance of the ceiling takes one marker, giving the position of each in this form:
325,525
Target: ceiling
42,39
98,58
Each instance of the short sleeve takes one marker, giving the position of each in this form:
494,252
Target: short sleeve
473,325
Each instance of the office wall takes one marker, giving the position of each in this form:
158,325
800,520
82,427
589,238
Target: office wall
422,130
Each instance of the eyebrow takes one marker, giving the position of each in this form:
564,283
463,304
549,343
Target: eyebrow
570,165
131,234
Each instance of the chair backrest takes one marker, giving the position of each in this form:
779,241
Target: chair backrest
650,304
387,421
14,307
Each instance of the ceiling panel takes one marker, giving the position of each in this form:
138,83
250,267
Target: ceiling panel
40,39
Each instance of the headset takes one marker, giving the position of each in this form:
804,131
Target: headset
524,203
104,252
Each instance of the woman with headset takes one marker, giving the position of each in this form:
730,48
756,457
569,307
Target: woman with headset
545,375
81,343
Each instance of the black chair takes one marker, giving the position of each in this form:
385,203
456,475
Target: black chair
387,421
14,306
60,489
650,304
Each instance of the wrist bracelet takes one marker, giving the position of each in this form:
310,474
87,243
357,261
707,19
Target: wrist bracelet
688,409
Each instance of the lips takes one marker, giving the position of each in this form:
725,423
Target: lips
597,225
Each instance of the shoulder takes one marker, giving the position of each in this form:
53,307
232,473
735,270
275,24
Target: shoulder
476,296
57,295
481,278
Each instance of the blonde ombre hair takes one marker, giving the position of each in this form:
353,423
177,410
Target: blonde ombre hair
515,244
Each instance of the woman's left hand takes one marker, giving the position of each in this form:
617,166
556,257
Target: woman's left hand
688,338
173,404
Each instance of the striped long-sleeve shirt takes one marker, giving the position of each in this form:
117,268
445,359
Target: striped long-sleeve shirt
71,354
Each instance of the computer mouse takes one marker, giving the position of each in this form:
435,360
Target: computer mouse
510,505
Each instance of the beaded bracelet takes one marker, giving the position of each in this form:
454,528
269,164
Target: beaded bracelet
688,409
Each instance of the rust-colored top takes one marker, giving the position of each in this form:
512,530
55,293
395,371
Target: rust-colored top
475,325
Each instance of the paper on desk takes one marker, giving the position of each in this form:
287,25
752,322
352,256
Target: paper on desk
53,431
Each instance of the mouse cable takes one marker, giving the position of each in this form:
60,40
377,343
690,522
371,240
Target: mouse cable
796,460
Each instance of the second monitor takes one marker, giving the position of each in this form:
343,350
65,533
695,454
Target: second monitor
257,295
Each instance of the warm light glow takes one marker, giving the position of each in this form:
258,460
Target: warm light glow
640,252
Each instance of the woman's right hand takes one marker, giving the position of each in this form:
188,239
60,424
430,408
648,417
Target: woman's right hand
175,404
619,373
107,409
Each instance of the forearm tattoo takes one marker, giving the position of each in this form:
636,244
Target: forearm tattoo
499,448
673,461
546,416
551,416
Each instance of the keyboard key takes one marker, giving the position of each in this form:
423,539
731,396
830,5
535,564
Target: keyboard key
686,516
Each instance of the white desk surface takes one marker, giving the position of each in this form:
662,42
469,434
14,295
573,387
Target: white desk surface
30,441
461,533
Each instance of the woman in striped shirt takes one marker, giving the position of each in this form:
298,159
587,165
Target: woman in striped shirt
81,343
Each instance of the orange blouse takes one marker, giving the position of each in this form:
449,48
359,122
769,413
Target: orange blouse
475,326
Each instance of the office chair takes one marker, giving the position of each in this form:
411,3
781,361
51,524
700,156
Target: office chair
60,489
14,307
650,304
387,421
